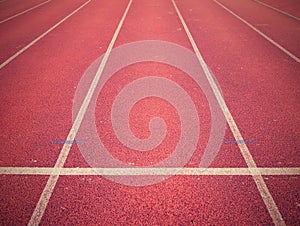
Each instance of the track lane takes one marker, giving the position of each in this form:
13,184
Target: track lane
163,25
290,6
24,11
44,98
18,198
280,28
285,191
13,7
184,200
180,200
258,82
21,30
118,203
249,70
45,79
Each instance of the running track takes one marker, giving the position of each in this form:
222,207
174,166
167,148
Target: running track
251,49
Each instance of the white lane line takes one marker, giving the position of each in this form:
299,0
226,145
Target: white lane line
291,171
278,10
48,190
260,183
260,33
25,11
41,36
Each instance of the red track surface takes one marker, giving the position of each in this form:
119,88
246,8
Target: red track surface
259,83
289,6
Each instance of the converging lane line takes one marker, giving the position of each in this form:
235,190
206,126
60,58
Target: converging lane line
278,10
150,171
25,11
41,36
51,183
260,33
259,181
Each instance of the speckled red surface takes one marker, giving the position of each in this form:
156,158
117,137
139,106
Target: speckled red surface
260,85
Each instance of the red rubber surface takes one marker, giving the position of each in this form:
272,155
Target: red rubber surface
19,195
37,115
13,7
260,85
289,6
179,201
256,79
30,25
281,28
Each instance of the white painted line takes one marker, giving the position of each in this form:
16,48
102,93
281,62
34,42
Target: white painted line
150,171
278,10
260,33
41,36
48,190
260,183
25,11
